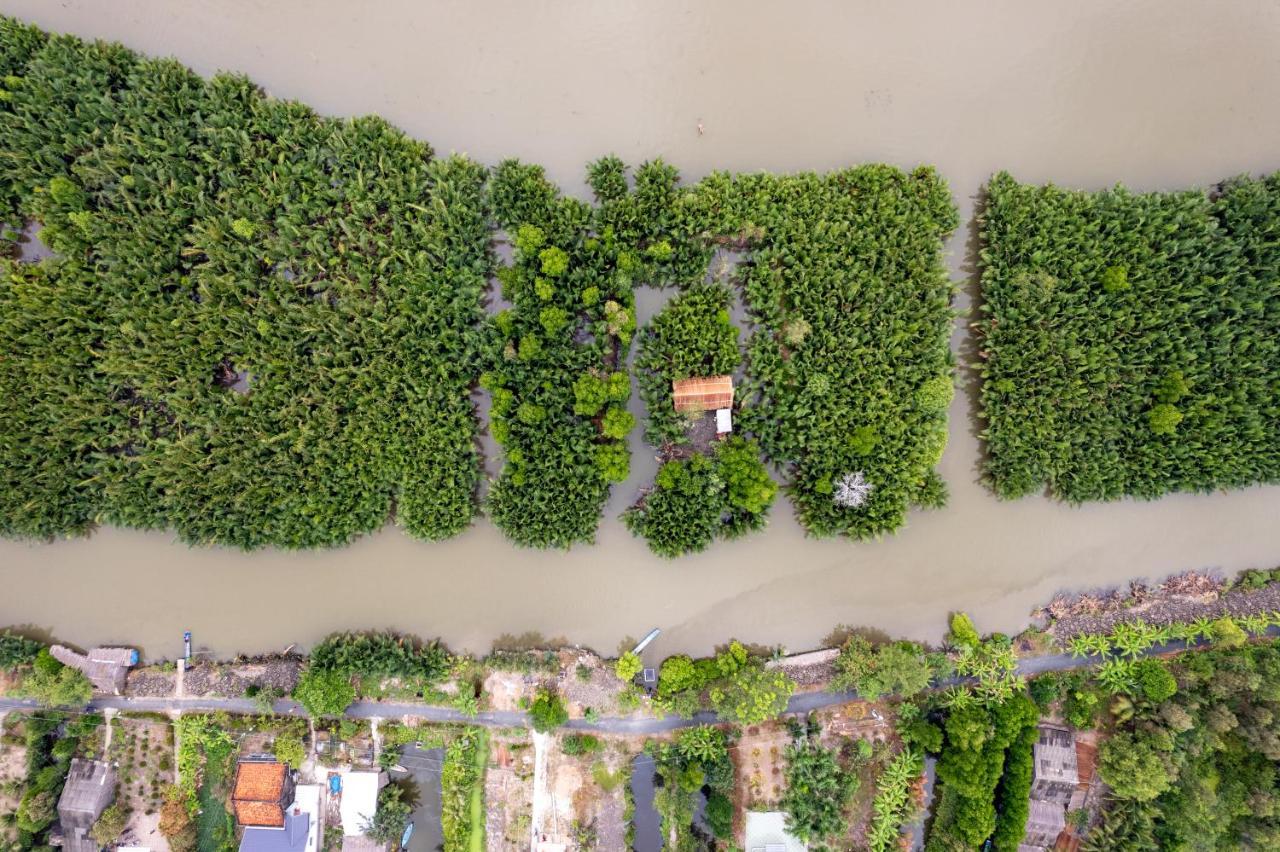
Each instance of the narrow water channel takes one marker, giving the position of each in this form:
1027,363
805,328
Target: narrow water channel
646,821
1154,93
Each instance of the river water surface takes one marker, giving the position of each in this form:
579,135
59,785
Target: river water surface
1154,93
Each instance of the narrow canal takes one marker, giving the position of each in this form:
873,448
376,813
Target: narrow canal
1154,93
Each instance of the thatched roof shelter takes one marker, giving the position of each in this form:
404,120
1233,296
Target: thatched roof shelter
702,393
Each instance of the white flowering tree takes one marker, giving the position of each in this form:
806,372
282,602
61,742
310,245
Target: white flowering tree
852,490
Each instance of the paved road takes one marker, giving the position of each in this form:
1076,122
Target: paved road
803,703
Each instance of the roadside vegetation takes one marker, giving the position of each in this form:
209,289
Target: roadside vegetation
735,684
1130,341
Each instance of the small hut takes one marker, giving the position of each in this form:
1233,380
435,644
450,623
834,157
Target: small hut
106,668
706,393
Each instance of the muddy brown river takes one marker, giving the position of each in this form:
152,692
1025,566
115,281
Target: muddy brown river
1155,94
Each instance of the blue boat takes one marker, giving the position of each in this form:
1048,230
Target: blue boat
404,838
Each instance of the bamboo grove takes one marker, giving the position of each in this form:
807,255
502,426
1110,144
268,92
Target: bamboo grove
262,327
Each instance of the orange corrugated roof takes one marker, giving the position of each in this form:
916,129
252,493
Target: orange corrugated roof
702,393
260,782
265,814
258,791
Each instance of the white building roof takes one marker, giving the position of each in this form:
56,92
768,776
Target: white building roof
359,800
724,421
306,797
767,832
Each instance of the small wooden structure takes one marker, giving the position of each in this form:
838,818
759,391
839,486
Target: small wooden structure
106,668
702,393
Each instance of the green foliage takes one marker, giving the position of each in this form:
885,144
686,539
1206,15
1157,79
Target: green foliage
678,674
893,803
971,766
752,695
17,651
109,825
628,666
962,634
288,749
698,758
1103,310
692,336
559,349
547,711
991,662
462,791
698,499
1199,769
817,794
324,692
382,655
391,817
577,745
54,685
1134,766
703,744
206,233
617,423
1013,804
1228,634
898,668
1155,681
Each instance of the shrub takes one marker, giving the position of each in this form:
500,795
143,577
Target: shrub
54,685
577,745
17,651
628,666
547,711
109,825
324,692
288,749
753,695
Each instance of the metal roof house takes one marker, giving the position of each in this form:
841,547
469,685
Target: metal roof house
704,393
1056,772
301,829
90,787
1045,822
263,789
106,668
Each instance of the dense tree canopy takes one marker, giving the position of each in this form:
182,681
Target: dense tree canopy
1131,342
258,328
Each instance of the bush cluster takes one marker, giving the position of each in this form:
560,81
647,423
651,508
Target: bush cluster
1131,342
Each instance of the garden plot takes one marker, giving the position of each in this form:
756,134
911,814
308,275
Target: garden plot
142,749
